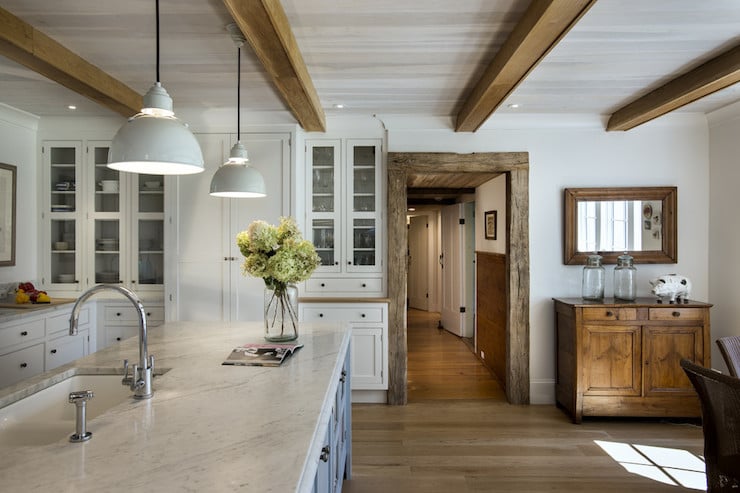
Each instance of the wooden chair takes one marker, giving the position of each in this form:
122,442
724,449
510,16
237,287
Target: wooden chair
730,349
720,408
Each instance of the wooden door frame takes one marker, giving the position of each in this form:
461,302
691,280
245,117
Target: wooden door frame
516,167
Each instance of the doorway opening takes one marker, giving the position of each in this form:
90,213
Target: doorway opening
403,167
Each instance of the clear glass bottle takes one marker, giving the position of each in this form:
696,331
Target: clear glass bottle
593,279
625,278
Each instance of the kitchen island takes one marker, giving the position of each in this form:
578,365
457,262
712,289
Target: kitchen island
208,427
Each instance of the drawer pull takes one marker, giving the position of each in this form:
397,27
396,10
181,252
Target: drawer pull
24,365
118,338
362,315
336,263
323,285
53,351
24,333
118,314
321,315
148,314
364,285
676,314
609,314
324,454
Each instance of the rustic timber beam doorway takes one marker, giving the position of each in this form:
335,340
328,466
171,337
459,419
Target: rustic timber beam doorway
516,167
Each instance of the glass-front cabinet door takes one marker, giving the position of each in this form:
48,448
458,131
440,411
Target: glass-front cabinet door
108,193
148,238
323,190
62,182
364,208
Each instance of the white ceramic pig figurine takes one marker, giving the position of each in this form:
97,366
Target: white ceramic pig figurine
673,287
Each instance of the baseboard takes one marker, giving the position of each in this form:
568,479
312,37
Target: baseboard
370,396
542,391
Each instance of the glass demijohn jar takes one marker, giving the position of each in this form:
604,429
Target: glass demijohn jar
625,282
593,279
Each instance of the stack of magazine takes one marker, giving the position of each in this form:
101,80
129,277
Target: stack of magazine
255,354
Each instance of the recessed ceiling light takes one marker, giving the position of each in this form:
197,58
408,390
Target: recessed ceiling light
412,209
71,107
339,106
513,106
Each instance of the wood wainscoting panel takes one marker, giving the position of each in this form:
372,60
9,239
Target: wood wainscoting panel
491,312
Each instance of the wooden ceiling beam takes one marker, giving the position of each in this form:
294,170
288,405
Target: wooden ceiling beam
541,27
265,25
718,73
22,43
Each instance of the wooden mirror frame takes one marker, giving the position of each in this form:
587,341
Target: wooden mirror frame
668,195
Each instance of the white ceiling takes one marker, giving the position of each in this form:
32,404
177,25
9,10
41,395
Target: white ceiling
378,57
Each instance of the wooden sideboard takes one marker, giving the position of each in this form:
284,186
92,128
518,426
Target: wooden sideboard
621,358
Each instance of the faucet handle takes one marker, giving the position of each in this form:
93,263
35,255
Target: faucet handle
126,380
151,363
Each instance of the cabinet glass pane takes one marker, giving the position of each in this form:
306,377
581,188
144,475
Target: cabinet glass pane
363,241
107,183
63,177
107,251
151,193
151,251
322,180
323,240
63,237
363,168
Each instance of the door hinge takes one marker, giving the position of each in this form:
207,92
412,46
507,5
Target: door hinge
462,220
427,295
462,309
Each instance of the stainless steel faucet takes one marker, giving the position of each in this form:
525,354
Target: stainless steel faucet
140,380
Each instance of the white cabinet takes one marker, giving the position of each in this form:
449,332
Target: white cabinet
38,342
344,204
119,320
210,283
369,326
99,225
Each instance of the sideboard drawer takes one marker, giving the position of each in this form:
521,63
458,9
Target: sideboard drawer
608,313
21,333
344,285
349,314
669,313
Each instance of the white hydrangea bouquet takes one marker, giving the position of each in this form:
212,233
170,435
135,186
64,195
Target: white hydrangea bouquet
281,257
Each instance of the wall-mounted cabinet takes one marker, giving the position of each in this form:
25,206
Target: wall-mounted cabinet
99,225
344,216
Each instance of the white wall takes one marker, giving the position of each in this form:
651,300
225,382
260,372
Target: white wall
574,152
18,147
724,239
491,196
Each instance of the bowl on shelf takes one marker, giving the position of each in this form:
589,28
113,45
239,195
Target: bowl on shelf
152,185
66,278
108,244
109,185
61,245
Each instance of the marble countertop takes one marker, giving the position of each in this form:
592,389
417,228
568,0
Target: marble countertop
208,427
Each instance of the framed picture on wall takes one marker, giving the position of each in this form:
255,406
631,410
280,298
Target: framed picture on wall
490,224
7,214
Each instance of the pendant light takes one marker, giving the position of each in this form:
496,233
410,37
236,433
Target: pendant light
235,178
154,141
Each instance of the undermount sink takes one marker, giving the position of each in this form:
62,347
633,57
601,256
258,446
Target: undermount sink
47,416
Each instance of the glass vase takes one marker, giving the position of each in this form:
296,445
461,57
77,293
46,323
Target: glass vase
593,279
281,313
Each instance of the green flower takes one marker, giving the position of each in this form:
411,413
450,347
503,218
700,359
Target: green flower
277,254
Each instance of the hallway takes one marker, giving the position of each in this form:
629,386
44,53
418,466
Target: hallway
441,366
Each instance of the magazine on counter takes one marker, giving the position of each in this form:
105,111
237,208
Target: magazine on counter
256,354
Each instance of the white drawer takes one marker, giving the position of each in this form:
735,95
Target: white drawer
60,323
344,285
21,332
117,334
21,364
65,349
130,314
343,314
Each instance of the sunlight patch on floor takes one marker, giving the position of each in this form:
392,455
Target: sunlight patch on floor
666,465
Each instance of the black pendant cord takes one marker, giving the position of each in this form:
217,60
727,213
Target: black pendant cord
238,92
157,6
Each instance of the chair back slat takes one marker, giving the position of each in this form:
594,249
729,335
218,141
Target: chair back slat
730,349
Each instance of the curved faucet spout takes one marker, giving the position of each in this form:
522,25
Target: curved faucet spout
141,380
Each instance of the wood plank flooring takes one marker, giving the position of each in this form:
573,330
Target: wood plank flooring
458,434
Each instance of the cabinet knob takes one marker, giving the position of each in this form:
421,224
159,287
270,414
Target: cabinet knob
676,314
324,454
336,263
609,314
133,281
24,333
118,338
362,315
364,285
321,315
53,351
226,258
148,314
118,314
24,365
323,285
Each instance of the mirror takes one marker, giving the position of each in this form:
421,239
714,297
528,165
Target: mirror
611,221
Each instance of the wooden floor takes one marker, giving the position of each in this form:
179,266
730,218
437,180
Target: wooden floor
458,434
